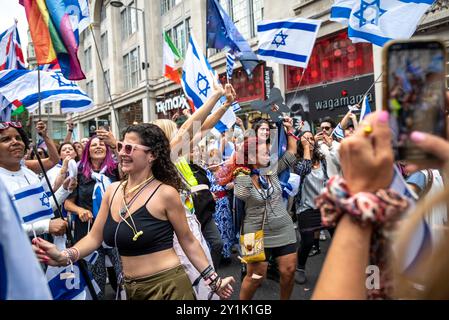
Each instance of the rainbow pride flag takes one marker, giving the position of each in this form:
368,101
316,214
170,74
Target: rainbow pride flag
53,37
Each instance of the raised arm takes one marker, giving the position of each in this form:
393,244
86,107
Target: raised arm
53,156
199,116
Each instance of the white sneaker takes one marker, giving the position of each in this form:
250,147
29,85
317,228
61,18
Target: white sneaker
322,236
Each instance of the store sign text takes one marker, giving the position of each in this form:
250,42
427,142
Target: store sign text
177,102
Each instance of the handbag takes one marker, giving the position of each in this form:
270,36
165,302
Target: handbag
252,244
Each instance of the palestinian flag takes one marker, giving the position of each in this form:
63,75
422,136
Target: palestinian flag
171,62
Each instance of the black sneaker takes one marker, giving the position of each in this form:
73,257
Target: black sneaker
300,276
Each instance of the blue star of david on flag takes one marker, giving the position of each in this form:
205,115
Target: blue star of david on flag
63,82
202,84
366,12
279,42
44,200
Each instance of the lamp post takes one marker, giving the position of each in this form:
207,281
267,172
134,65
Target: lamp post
119,4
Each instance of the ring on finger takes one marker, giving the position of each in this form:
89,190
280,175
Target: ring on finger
367,129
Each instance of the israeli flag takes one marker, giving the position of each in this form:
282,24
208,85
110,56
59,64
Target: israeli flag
230,61
366,109
197,79
34,203
338,132
21,277
68,284
378,21
78,11
288,42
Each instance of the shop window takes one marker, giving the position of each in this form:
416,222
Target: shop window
334,58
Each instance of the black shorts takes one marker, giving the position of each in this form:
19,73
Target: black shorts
280,251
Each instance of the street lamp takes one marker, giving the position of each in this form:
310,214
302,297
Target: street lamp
119,4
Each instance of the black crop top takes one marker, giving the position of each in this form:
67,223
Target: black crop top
157,234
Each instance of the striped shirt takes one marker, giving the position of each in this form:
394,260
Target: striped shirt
279,229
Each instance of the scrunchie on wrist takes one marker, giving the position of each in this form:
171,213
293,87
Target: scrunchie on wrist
381,210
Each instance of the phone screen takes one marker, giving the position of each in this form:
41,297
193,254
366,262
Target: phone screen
416,94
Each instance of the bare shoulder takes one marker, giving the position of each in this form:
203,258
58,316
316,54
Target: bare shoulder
168,193
112,188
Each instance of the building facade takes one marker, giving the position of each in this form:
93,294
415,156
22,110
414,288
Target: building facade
112,53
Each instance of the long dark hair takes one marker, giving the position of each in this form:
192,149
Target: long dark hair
153,137
317,156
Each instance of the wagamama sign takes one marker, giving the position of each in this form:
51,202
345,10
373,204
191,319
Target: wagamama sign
177,102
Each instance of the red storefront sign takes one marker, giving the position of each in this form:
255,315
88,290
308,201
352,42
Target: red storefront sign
246,89
334,58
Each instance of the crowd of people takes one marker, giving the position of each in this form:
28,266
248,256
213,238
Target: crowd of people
166,206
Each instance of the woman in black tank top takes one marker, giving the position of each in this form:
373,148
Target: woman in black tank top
144,236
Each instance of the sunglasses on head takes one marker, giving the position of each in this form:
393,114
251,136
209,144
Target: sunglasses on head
6,125
128,148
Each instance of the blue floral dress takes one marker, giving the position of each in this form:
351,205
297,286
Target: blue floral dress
222,216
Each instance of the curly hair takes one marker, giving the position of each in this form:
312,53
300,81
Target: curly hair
153,137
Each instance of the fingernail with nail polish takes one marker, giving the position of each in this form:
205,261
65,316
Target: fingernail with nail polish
383,116
417,136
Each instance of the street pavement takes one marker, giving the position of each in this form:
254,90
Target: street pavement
270,288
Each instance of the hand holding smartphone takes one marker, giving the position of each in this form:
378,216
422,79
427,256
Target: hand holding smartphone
414,94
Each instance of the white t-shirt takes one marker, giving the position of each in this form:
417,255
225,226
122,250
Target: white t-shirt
24,177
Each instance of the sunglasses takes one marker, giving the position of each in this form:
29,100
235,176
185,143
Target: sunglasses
325,128
129,148
6,125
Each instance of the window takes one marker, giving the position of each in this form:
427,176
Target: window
179,37
129,20
104,45
256,15
90,89
240,10
102,13
106,84
131,70
188,31
165,6
88,59
48,108
334,58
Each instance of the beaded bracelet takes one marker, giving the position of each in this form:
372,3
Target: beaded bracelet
381,210
72,254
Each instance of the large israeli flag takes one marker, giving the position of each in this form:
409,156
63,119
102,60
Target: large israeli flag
378,21
288,41
197,81
20,88
21,277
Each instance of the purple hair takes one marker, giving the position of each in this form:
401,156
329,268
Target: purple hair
85,165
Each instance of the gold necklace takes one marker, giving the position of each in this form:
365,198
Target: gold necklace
136,233
135,188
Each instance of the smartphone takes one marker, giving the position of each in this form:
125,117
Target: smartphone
414,94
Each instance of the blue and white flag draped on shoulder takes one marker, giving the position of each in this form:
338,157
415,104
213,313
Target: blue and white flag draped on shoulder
197,82
378,21
21,276
20,88
288,42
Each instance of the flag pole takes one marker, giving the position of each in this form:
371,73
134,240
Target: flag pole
39,92
81,263
104,76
